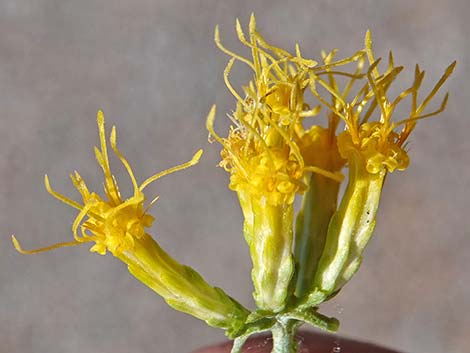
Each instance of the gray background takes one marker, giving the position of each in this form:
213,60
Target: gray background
151,65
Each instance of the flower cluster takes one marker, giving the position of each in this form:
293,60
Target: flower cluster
275,150
272,155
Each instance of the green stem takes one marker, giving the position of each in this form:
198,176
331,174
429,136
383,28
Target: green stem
284,337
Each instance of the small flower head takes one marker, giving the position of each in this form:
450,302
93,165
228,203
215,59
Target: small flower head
110,222
380,143
261,151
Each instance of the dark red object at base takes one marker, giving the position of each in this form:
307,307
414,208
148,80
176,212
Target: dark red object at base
311,342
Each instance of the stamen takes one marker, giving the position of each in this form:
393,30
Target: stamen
60,197
378,92
227,70
121,157
80,185
370,54
192,162
334,85
419,76
18,247
334,176
154,200
294,148
78,220
111,188
332,90
341,73
425,116
103,160
314,91
306,62
210,127
438,85
228,52
356,56
254,47
349,85
278,51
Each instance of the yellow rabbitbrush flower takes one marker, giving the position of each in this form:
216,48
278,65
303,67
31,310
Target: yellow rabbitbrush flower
112,224
119,226
372,148
261,151
263,157
378,142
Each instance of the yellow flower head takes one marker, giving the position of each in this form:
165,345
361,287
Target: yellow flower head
380,143
111,223
261,151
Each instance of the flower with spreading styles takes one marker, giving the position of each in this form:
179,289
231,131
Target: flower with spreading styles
273,155
380,143
372,148
263,155
119,226
261,151
265,165
113,224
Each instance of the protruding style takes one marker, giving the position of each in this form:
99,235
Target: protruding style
119,226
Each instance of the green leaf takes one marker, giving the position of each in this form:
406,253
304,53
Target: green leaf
312,317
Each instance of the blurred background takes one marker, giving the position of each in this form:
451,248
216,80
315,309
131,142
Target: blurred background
153,68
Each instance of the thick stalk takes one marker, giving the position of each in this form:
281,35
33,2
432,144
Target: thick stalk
284,337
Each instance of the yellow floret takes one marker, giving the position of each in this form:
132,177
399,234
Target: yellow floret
261,151
269,172
376,152
380,142
112,223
